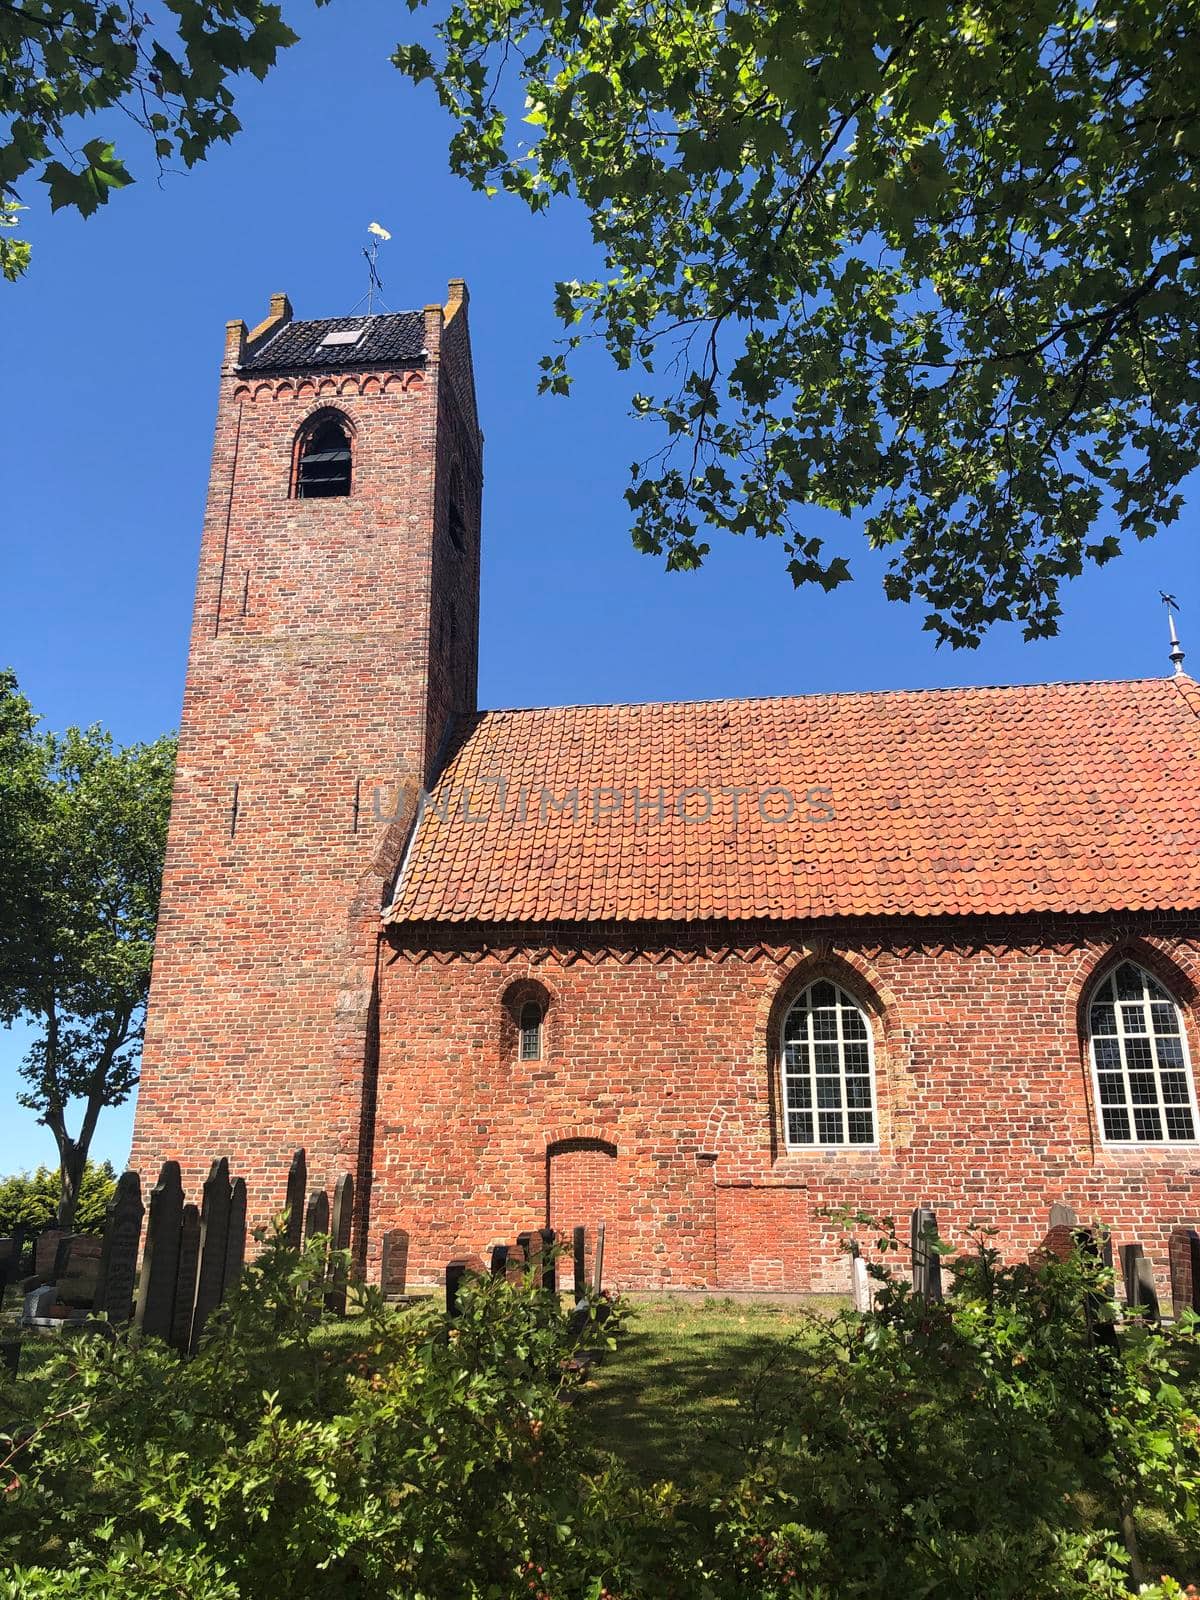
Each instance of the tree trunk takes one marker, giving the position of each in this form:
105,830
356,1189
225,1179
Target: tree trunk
72,1158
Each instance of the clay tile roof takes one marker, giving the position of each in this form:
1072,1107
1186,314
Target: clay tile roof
397,338
1068,797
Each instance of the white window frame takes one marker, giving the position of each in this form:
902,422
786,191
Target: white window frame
540,1029
1167,1142
844,998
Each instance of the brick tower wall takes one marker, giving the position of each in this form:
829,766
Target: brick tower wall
319,688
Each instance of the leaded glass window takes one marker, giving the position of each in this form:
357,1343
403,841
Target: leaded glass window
531,1031
1140,1060
827,1070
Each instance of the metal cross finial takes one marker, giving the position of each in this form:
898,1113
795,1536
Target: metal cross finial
1176,655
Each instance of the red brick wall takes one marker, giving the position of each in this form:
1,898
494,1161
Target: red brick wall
312,657
662,1045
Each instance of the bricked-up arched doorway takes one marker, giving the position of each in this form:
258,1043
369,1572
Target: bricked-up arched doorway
581,1187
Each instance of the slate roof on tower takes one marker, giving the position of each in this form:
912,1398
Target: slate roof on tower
391,339
1060,797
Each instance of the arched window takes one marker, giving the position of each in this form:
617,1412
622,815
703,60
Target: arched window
323,460
827,1070
1140,1060
531,1032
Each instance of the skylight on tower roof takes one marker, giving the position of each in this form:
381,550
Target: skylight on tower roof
345,336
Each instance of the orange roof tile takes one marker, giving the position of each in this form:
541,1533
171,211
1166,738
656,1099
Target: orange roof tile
1070,797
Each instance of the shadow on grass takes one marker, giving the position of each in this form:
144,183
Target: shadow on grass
666,1404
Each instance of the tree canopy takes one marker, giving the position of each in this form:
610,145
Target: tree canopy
62,62
926,261
82,848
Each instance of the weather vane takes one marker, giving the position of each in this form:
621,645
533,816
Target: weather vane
375,284
1176,656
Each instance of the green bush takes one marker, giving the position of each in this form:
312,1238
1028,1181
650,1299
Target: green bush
32,1198
383,1456
985,1446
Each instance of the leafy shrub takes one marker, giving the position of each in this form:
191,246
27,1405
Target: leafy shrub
985,1446
31,1198
386,1455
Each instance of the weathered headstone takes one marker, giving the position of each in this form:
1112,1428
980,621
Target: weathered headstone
160,1259
926,1262
1140,1291
456,1271
214,1241
538,1245
77,1270
498,1261
235,1249
598,1264
297,1189
118,1259
514,1265
10,1261
860,1284
579,1262
185,1277
1183,1253
45,1250
339,1239
1062,1215
393,1272
316,1216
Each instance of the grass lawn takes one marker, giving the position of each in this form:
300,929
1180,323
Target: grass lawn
664,1402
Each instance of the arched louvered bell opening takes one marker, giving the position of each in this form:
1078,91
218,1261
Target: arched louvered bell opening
323,469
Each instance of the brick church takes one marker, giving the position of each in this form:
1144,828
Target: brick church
700,970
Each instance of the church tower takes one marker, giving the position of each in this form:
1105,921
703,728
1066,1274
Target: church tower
333,654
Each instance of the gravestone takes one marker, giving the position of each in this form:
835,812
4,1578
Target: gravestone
235,1250
498,1261
926,1262
316,1216
160,1259
393,1272
538,1245
1140,1291
339,1239
456,1271
45,1251
214,1241
118,1259
297,1188
188,1262
860,1284
598,1264
514,1264
77,1270
1063,1215
10,1261
579,1261
1183,1253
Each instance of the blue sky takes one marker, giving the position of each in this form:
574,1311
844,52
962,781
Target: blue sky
111,350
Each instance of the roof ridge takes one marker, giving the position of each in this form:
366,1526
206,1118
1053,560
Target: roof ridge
829,694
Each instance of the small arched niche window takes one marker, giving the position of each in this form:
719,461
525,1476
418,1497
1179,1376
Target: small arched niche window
827,1070
323,459
530,1044
1143,1078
